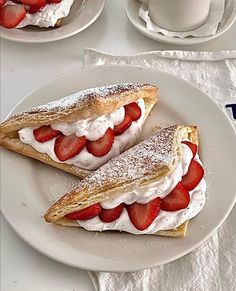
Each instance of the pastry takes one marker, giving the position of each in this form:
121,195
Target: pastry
81,132
153,188
41,13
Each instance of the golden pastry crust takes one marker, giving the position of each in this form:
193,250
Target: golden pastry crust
17,146
143,164
90,103
68,109
179,231
58,23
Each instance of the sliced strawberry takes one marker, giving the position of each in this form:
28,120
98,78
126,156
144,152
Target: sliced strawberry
192,146
86,213
36,8
66,147
45,133
125,124
2,2
34,2
54,1
109,215
133,110
143,215
193,176
12,15
177,199
17,1
102,146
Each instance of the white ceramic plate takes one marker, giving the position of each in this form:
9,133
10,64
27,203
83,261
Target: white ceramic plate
132,8
80,17
28,186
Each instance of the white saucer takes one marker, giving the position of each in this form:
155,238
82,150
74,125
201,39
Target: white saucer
82,15
132,8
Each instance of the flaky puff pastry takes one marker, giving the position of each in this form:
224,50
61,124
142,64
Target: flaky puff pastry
90,103
145,163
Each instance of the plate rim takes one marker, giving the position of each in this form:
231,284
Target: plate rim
177,41
53,39
173,258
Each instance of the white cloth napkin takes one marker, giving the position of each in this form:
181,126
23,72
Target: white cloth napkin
206,29
212,266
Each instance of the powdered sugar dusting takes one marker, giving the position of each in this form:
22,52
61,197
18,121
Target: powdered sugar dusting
89,103
147,159
143,159
87,95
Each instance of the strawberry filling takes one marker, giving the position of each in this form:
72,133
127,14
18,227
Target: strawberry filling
67,147
143,215
12,15
86,213
102,146
123,126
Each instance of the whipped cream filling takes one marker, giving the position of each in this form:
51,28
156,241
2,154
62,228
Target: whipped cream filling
93,129
165,219
160,188
47,16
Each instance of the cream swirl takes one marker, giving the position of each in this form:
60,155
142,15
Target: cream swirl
89,128
161,188
165,220
92,129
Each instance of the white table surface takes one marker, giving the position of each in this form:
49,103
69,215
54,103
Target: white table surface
25,67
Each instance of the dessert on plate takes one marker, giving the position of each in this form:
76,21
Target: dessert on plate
41,13
82,131
153,188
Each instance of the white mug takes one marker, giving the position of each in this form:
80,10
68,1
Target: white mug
178,15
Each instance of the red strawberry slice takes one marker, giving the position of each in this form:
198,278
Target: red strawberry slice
143,215
133,110
2,2
193,176
102,146
66,147
54,1
125,124
177,199
192,146
36,8
45,133
109,215
34,2
86,213
12,15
